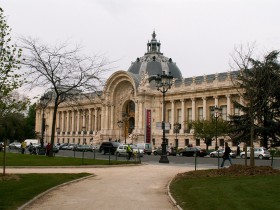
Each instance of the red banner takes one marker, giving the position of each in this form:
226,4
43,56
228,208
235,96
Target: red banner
148,126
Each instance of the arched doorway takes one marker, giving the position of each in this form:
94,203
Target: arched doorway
128,116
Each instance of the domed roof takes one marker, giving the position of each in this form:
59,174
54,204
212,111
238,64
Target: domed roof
153,62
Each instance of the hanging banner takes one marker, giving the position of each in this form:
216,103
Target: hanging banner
148,126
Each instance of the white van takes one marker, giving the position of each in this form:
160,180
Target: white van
146,147
33,141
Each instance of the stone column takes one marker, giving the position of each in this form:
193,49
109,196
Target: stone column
216,100
204,107
68,121
89,119
95,119
112,117
183,116
228,106
83,118
193,109
141,116
78,121
172,116
136,117
73,121
63,122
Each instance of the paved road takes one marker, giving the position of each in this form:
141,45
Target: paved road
124,187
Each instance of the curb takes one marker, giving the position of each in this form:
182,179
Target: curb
51,189
170,196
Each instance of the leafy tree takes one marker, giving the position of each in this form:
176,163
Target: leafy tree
10,77
206,129
258,83
64,71
29,122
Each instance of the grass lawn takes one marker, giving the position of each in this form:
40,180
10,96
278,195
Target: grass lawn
227,191
17,189
16,159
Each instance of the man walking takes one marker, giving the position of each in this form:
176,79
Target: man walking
129,151
226,155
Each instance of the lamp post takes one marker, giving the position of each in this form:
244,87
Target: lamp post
163,83
57,131
177,127
217,112
125,117
120,124
44,101
84,130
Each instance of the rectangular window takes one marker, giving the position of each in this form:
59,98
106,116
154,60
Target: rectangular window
224,112
197,142
169,115
222,142
200,113
179,115
189,117
211,112
187,142
236,111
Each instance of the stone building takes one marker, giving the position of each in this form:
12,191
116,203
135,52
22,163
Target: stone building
130,108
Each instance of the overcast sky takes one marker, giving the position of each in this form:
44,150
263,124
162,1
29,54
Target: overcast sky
199,35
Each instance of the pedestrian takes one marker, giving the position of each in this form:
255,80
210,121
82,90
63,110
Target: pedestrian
23,147
129,152
238,150
226,155
48,149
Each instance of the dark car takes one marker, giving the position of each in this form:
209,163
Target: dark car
109,147
192,151
169,151
83,148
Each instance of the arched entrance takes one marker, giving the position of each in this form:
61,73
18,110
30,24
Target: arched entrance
128,117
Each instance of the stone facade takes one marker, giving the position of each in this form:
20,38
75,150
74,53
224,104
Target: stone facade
129,93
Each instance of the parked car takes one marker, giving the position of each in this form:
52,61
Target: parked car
109,146
259,152
83,148
15,145
192,151
71,146
169,151
220,153
121,150
63,146
147,148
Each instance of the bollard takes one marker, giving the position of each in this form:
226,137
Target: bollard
195,161
109,156
272,158
218,159
83,157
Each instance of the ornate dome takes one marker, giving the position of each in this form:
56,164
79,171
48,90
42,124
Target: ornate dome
153,62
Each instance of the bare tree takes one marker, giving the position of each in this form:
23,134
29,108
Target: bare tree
63,70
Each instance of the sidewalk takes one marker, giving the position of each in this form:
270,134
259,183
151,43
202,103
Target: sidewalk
123,187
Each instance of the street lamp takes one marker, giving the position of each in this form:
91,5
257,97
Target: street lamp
44,101
163,83
120,124
177,127
125,118
57,131
84,130
217,113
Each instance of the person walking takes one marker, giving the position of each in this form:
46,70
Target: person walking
48,149
129,152
226,155
23,147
